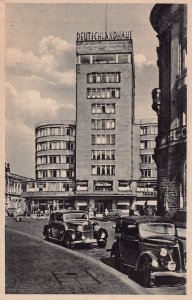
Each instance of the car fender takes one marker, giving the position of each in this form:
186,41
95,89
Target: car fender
150,257
46,228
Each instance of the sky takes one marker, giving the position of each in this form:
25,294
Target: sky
40,60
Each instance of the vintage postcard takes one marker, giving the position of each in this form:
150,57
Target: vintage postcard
94,118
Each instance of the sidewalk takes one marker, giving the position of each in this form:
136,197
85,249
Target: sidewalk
34,266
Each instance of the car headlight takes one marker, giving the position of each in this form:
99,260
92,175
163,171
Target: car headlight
163,252
171,265
96,227
79,228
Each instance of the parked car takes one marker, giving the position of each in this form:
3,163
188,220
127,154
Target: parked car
71,227
148,245
179,218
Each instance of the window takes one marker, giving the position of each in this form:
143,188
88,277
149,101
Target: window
103,170
104,139
146,159
70,173
144,145
53,173
85,59
103,108
104,59
124,58
121,58
70,145
143,130
103,124
103,93
53,159
146,173
103,77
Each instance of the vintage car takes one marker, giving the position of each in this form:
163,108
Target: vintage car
150,246
71,227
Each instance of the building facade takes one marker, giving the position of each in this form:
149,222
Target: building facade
170,103
105,88
54,185
14,187
145,170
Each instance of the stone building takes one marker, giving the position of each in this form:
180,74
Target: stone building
14,187
170,103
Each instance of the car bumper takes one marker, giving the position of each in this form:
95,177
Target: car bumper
85,241
169,273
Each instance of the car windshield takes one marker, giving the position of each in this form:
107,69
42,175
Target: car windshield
75,216
156,229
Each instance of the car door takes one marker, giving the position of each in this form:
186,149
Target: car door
129,243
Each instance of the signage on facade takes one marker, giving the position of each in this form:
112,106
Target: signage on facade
99,36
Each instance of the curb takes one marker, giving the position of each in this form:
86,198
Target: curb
124,278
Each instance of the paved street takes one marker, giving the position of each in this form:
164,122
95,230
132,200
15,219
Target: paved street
58,268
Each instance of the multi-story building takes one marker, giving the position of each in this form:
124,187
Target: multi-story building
105,105
14,186
55,167
145,170
169,101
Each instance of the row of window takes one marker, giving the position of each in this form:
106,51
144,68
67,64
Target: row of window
55,173
105,93
103,77
102,108
103,170
147,144
122,58
149,130
55,159
56,145
103,154
51,186
61,130
103,124
147,159
103,139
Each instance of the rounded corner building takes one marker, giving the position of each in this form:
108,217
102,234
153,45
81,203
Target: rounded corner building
54,185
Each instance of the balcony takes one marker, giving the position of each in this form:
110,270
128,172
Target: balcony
156,95
178,134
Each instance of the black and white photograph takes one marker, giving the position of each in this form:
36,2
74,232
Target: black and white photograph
95,198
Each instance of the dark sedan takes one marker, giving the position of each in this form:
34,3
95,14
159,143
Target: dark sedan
150,246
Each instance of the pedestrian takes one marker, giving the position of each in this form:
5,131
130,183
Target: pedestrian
106,212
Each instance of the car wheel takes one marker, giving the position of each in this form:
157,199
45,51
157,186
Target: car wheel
47,235
101,244
147,279
67,242
117,259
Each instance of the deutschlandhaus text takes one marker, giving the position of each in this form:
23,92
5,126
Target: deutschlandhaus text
96,36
